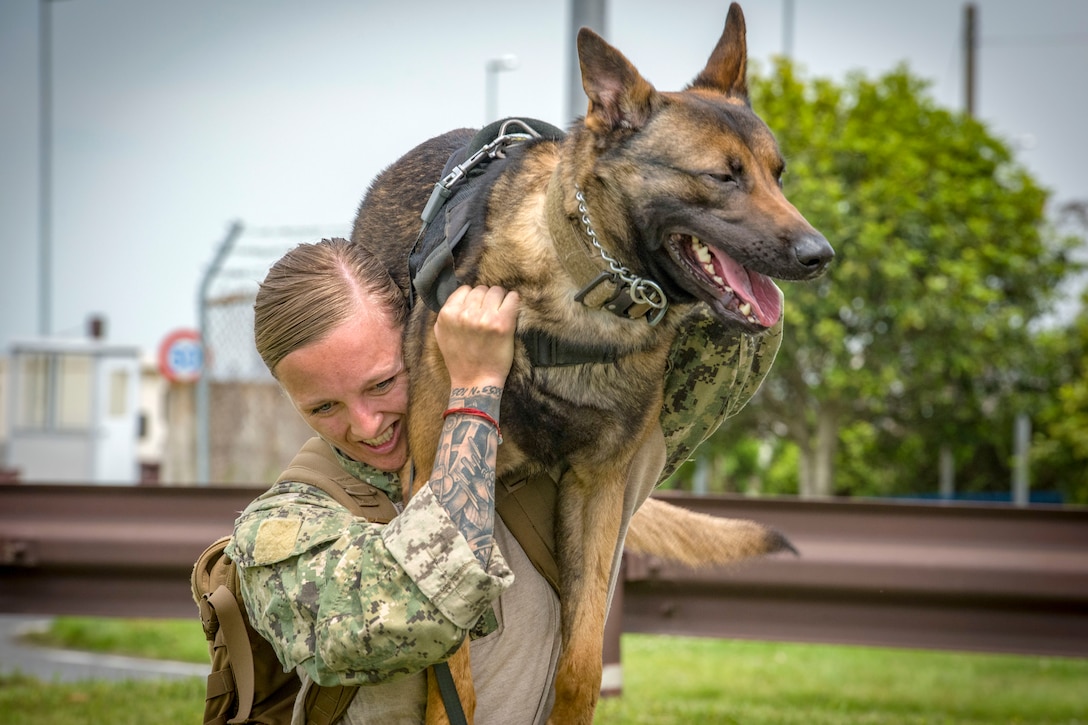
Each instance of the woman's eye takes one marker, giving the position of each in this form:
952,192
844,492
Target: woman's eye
385,384
323,408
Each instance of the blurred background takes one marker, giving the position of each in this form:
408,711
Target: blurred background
158,156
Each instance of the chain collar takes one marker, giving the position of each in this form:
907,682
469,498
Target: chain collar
641,291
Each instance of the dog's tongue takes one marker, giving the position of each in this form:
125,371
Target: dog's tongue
752,287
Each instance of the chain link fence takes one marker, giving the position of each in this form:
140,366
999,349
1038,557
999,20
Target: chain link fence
250,428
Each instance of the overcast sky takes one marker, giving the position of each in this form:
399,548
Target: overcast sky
172,119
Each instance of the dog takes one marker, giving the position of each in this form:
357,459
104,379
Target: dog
653,204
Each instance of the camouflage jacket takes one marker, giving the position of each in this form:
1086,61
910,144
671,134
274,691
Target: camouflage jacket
353,602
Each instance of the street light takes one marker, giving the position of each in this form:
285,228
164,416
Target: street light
45,168
491,90
45,147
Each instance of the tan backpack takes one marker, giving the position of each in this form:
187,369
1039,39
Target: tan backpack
247,683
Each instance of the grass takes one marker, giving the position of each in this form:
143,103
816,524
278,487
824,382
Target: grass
687,680
667,680
176,639
25,701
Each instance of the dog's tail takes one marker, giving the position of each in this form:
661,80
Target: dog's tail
697,540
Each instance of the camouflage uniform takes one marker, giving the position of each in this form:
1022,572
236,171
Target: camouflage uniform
352,602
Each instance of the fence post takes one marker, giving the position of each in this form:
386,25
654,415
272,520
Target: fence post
203,446
612,674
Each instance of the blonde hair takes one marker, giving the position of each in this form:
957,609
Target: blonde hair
313,289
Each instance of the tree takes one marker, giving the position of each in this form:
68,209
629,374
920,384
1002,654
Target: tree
921,327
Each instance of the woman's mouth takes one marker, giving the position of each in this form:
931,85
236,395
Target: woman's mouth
384,440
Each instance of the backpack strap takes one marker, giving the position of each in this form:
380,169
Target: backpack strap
325,704
316,464
527,507
233,628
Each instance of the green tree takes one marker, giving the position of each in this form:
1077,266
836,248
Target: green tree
921,327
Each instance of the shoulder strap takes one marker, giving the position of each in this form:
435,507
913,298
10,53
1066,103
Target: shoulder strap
527,507
316,465
233,628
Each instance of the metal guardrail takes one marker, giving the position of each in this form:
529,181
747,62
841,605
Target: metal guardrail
932,575
929,575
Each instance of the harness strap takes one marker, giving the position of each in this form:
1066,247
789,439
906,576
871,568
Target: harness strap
233,630
448,690
546,350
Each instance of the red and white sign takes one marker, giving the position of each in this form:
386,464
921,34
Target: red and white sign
181,356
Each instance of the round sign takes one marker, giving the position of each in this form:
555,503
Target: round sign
181,356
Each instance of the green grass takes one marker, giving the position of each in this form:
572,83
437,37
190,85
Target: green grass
687,680
25,701
176,639
667,680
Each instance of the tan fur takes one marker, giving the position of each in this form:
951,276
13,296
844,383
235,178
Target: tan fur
697,540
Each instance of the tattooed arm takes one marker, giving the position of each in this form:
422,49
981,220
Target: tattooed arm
475,332
463,479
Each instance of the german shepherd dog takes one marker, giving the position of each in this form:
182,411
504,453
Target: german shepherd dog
680,188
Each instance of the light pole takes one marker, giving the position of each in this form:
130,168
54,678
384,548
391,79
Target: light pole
491,80
45,167
591,14
45,163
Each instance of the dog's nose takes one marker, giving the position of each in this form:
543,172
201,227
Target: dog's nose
813,252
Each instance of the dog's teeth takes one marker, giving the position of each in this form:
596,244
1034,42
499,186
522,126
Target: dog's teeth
701,252
727,289
718,280
746,309
709,269
752,318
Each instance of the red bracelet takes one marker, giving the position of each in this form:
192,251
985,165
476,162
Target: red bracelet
479,414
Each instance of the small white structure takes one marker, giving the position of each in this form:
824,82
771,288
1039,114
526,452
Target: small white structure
73,411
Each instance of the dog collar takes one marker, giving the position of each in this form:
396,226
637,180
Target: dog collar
617,290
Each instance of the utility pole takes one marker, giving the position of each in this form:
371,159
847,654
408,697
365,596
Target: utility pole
970,46
591,14
45,168
787,28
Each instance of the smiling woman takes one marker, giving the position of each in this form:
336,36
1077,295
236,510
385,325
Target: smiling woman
328,323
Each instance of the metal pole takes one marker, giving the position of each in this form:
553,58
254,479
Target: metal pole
203,444
1021,449
970,42
787,28
947,473
591,14
45,164
491,84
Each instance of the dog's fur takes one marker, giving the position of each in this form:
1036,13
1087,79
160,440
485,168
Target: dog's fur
657,169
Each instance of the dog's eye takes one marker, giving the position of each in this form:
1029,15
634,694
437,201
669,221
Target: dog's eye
724,178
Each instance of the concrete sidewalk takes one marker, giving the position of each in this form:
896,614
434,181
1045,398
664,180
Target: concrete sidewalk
57,665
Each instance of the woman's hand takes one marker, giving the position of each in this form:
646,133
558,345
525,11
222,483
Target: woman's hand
475,333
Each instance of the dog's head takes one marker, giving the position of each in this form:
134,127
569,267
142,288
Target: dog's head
693,179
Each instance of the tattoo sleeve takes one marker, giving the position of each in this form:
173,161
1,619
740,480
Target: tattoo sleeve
463,478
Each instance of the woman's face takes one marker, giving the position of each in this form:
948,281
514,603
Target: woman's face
352,389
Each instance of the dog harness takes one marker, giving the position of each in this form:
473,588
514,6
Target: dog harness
461,194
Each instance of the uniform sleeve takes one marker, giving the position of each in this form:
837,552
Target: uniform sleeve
354,602
713,372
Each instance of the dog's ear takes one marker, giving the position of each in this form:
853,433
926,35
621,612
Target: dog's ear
727,69
619,97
